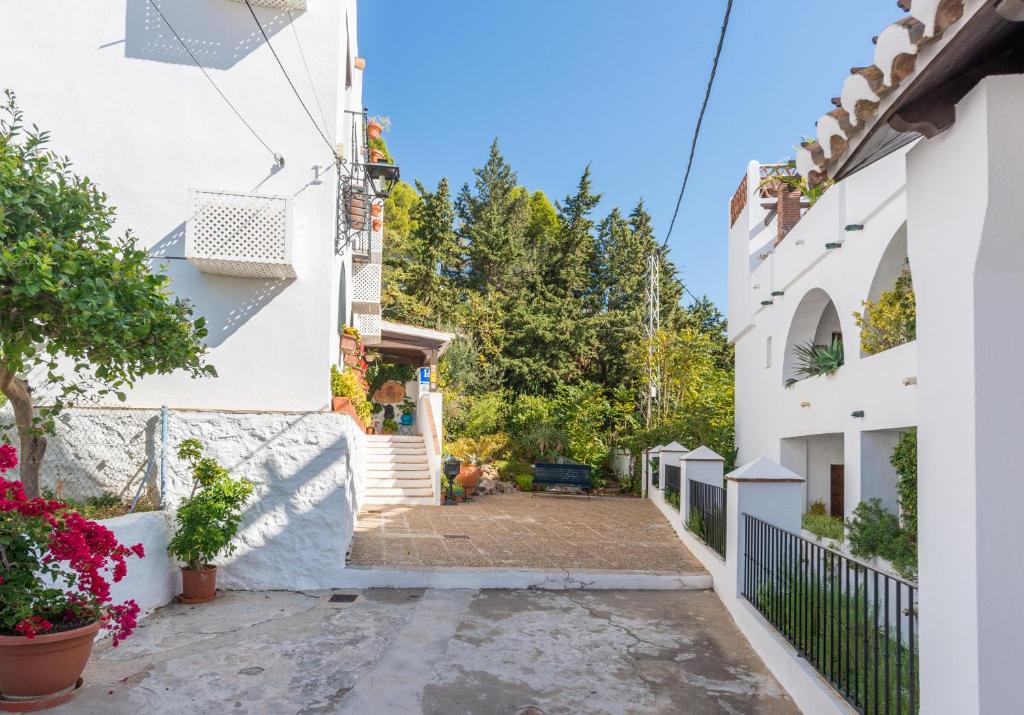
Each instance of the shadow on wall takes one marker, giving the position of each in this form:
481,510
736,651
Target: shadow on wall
219,34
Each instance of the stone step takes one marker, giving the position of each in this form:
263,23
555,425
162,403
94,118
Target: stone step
396,459
389,466
393,438
406,501
396,451
394,474
399,491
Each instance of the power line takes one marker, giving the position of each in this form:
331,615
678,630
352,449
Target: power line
285,72
309,76
277,157
700,119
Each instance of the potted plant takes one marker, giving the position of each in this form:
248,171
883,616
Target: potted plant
376,208
349,339
377,156
469,474
459,492
408,412
54,594
348,395
207,522
389,426
377,224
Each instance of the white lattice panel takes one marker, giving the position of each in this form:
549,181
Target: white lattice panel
279,4
367,323
242,235
366,283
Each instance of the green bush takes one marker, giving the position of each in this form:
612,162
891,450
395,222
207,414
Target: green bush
695,521
817,508
873,531
904,461
484,449
823,525
344,383
524,482
892,320
673,499
209,518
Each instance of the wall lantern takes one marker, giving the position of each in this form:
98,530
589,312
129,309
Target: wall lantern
383,178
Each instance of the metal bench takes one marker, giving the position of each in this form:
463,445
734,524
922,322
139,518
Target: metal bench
563,475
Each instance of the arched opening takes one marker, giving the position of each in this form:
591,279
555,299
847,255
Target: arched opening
815,322
888,318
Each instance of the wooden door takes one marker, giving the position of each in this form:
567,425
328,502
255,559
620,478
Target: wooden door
837,492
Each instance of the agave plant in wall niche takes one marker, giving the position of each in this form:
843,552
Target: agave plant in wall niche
813,360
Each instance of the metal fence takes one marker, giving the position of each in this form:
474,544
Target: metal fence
107,458
672,475
856,625
706,518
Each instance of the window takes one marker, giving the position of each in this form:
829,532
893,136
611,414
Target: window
768,351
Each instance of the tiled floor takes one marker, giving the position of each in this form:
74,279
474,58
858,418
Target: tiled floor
522,531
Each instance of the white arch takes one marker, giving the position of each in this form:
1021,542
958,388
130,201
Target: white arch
815,320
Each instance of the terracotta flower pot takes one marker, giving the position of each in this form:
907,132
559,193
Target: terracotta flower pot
44,671
375,209
351,360
199,586
340,404
348,343
376,156
469,477
360,63
377,224
374,129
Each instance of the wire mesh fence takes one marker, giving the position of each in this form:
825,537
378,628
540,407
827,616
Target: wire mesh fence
106,461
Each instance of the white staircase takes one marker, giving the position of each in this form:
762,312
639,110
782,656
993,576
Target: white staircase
397,471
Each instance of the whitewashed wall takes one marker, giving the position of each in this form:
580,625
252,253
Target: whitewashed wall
153,580
767,413
123,99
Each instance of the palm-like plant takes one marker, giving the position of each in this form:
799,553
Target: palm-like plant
813,359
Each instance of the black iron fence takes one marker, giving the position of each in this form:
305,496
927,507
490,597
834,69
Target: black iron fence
672,485
706,517
856,625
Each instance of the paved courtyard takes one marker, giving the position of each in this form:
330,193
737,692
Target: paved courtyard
522,531
406,651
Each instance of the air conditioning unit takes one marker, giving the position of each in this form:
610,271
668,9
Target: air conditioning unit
279,4
240,235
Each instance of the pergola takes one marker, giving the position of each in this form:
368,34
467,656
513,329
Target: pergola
403,344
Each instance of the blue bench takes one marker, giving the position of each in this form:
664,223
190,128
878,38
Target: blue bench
563,475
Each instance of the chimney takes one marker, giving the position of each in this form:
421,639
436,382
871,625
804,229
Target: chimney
787,208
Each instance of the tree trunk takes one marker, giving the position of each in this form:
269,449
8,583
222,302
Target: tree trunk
33,444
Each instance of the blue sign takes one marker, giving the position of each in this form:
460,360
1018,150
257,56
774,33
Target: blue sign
424,375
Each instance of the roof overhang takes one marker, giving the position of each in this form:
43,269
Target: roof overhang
412,345
923,65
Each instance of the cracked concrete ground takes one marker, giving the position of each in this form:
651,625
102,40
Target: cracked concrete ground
397,651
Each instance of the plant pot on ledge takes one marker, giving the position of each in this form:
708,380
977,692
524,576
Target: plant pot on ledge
376,156
377,224
376,208
44,671
349,344
374,129
351,359
199,586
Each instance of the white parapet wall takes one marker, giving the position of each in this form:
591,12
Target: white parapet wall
152,581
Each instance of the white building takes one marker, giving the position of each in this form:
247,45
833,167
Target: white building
788,288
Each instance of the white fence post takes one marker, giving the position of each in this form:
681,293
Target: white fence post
700,465
767,491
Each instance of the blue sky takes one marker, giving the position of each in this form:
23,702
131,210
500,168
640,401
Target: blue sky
564,83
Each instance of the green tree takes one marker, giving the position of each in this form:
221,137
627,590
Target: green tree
79,311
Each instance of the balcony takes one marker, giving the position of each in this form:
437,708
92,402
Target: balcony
297,5
240,235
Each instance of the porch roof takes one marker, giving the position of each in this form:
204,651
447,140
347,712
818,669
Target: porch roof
411,345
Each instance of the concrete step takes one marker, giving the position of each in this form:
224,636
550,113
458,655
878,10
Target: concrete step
396,466
390,474
369,499
399,455
390,483
399,491
393,438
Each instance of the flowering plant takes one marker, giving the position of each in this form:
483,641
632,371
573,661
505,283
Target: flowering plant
54,566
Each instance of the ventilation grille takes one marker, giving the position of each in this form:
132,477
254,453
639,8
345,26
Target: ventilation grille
240,235
279,4
366,283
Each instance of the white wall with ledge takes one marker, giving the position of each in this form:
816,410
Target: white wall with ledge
154,580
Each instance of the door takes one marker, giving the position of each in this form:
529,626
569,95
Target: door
837,491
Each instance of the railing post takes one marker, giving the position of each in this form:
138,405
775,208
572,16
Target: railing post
765,490
163,456
700,465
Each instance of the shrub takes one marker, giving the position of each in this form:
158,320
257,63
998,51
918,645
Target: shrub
904,461
479,450
345,383
823,525
209,518
817,508
673,499
695,521
524,482
892,320
476,415
55,564
873,531
582,411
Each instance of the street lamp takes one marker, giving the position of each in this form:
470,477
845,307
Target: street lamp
451,470
383,178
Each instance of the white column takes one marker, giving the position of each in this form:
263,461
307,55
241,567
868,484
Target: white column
701,465
764,490
965,218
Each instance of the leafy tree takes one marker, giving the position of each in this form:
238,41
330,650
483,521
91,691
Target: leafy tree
80,312
892,320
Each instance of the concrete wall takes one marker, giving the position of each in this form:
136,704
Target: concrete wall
809,278
308,472
123,99
154,580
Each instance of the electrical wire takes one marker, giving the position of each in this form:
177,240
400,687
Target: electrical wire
277,157
700,119
285,72
309,76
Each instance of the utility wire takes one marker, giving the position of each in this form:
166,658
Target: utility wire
277,157
309,76
292,84
700,119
